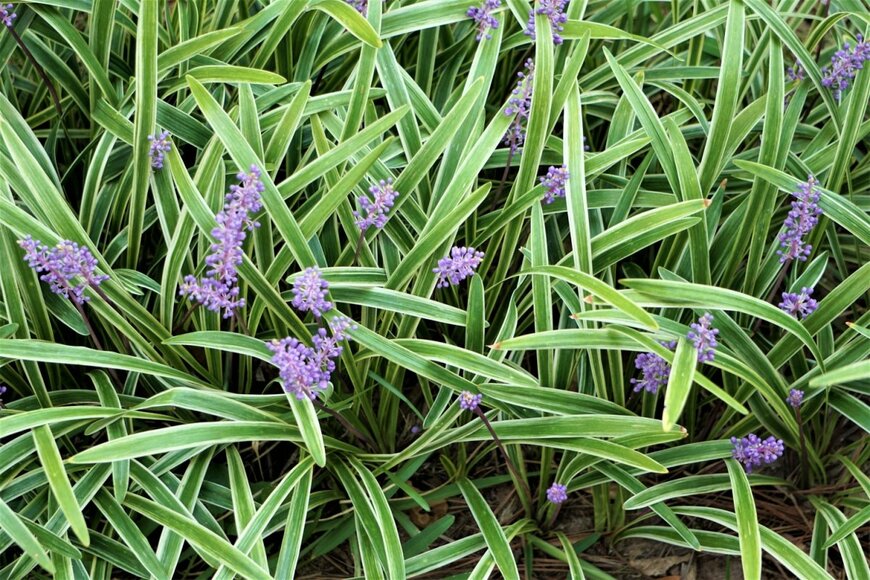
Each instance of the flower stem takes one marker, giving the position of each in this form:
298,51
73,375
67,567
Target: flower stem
804,462
526,495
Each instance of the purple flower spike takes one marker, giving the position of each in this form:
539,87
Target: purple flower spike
482,16
160,145
459,265
61,265
796,72
376,209
7,16
845,64
305,371
802,218
520,105
469,401
554,183
703,335
554,10
655,370
309,293
557,493
795,398
753,452
798,305
219,290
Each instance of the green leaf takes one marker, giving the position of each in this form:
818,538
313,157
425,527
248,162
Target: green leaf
747,521
493,534
59,483
679,383
17,529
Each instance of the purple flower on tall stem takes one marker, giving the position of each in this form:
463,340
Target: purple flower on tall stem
160,145
795,398
482,16
61,265
802,218
845,64
374,211
554,10
520,105
798,305
557,493
309,293
554,183
459,265
7,16
219,289
655,370
703,336
753,452
469,401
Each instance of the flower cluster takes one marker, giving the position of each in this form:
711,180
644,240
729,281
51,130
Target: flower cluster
482,16
752,451
796,72
802,218
459,265
361,6
655,370
795,398
798,305
554,10
520,105
376,209
6,15
219,289
309,293
469,401
703,336
557,493
845,64
554,183
160,145
61,265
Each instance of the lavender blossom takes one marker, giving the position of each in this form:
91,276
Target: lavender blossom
845,64
469,401
798,305
361,6
796,72
520,105
554,10
219,289
795,398
554,183
7,16
482,16
753,452
2,392
459,265
703,335
655,370
61,265
309,293
557,493
160,145
802,218
377,208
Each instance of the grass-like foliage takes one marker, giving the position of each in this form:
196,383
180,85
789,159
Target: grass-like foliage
316,288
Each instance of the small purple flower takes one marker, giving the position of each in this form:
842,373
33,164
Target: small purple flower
484,19
339,325
6,15
219,289
469,401
655,370
160,145
309,293
795,398
376,209
703,335
845,64
557,493
796,72
415,430
798,305
305,370
554,183
554,10
2,392
753,452
61,265
802,218
520,105
361,6
459,265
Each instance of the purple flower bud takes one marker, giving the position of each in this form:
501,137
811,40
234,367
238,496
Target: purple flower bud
469,401
6,15
415,430
160,145
459,265
309,293
704,338
305,370
484,19
753,452
361,6
845,64
520,105
554,183
554,10
655,370
2,392
796,72
798,305
802,218
376,209
61,265
795,398
557,493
